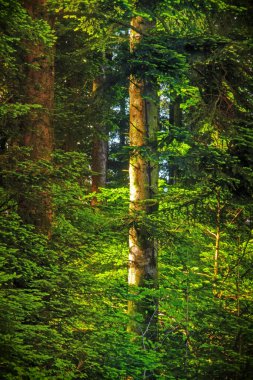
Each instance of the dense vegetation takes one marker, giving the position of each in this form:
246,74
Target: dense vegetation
72,72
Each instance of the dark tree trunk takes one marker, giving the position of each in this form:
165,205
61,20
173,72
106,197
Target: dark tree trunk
38,131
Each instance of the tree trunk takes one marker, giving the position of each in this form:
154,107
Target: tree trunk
99,151
38,131
218,236
176,119
143,174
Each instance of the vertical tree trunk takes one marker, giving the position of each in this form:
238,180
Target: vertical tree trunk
99,151
123,124
176,119
38,131
143,174
217,238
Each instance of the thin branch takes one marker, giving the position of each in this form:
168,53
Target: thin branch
79,14
147,328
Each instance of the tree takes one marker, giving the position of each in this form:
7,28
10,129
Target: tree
37,133
65,301
143,174
99,147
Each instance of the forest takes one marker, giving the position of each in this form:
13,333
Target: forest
126,184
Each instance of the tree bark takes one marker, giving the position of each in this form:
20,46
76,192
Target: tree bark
99,151
143,174
176,119
218,236
38,130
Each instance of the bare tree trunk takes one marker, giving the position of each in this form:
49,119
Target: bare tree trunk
99,151
218,235
143,174
176,119
38,131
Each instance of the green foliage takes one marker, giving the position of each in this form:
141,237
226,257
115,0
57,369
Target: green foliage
63,312
16,110
69,293
202,320
153,58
